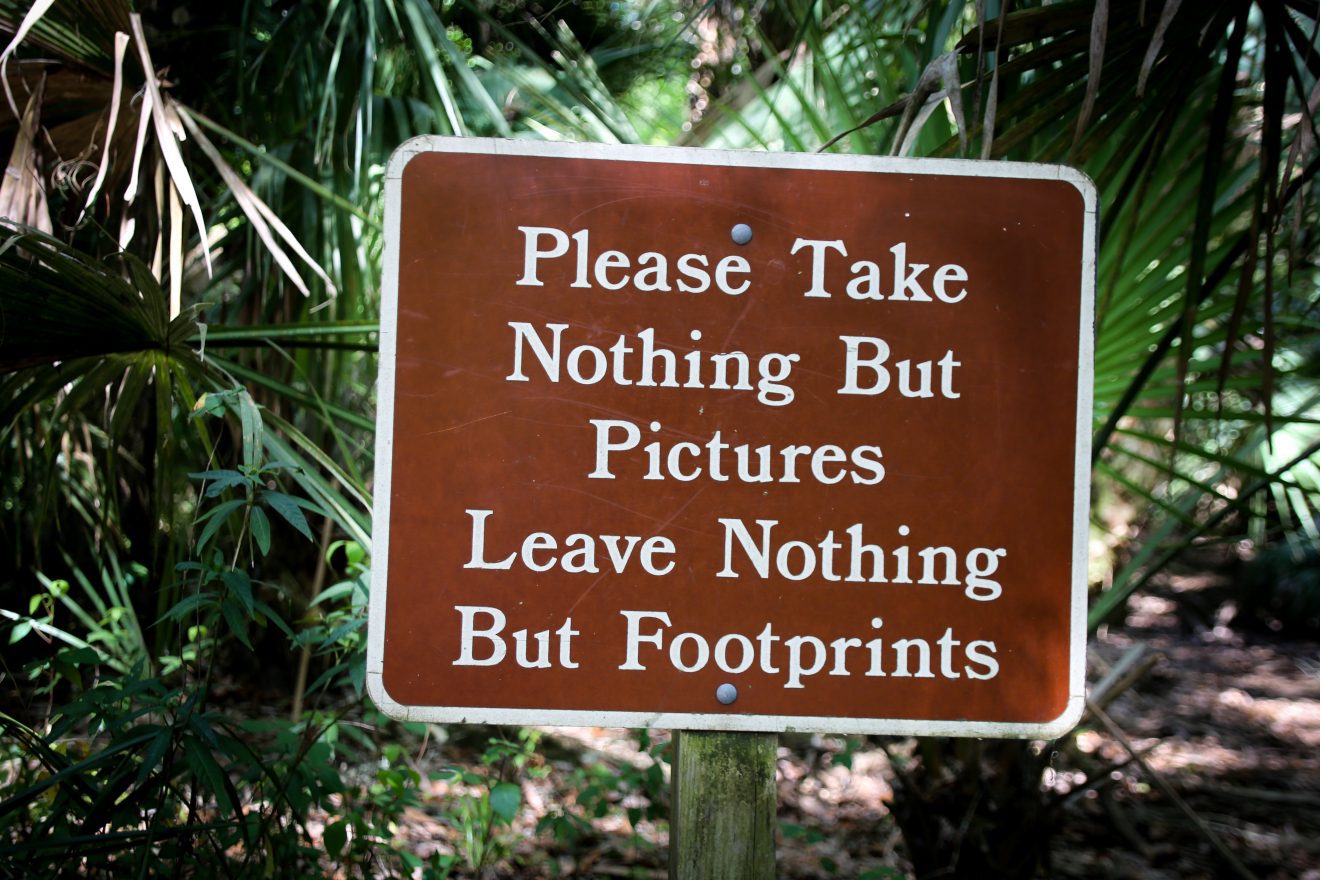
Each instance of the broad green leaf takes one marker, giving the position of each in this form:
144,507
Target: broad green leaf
216,518
209,774
238,623
260,529
288,508
505,798
240,586
250,417
335,837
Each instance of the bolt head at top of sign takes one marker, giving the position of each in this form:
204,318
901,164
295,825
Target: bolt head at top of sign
662,428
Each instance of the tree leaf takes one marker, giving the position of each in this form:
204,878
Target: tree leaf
505,798
288,507
155,752
121,44
34,14
217,517
238,624
240,585
1099,31
166,138
188,604
269,614
335,837
250,417
220,480
207,772
1156,43
22,192
260,526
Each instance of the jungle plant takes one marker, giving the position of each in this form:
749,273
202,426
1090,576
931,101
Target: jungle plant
190,242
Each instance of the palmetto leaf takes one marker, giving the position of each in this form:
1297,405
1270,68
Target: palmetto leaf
1193,175
263,219
59,304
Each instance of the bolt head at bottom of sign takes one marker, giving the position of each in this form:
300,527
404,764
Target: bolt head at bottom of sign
726,693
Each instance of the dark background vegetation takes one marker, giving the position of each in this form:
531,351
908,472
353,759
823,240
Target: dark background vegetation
188,300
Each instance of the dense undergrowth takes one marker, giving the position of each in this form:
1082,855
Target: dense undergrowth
188,297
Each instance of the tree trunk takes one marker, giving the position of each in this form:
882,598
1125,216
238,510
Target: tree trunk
975,809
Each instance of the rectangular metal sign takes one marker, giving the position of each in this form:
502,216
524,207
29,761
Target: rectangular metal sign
731,440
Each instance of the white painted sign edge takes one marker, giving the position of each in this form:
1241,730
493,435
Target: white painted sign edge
731,721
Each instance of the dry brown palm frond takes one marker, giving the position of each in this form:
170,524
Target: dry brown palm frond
23,192
259,214
34,14
168,137
121,45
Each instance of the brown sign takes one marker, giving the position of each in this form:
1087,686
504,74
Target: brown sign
734,441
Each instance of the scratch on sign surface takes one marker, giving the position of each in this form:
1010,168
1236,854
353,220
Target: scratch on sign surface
465,424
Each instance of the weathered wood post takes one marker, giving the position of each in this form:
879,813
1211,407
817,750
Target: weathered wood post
722,821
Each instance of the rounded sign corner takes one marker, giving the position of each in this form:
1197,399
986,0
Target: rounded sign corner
1060,726
410,149
1082,182
384,702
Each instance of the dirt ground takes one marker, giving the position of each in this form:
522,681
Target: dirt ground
1223,716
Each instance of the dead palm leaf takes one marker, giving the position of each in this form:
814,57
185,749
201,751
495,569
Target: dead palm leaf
23,190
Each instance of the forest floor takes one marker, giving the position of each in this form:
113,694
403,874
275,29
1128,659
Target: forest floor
1224,718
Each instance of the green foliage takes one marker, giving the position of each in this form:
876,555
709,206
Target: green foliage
882,874
187,352
360,838
1205,384
487,802
135,768
335,624
204,380
640,793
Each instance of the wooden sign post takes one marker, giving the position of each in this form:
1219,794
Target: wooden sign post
722,817
731,442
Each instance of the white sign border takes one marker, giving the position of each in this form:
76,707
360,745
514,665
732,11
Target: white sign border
729,721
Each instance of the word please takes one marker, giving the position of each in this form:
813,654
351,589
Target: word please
614,270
